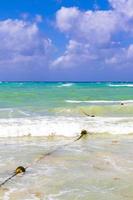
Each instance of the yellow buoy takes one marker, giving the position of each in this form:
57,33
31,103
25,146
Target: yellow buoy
20,170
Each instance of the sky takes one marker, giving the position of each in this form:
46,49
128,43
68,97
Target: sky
66,40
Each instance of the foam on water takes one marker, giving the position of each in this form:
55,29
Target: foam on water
66,85
42,109
64,126
100,101
95,167
120,85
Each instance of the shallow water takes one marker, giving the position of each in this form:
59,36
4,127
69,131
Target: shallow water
95,167
37,118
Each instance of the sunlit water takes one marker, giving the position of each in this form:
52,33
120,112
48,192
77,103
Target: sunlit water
95,167
37,118
42,108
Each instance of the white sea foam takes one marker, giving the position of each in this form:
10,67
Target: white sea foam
23,113
100,101
8,193
10,112
121,85
65,85
64,126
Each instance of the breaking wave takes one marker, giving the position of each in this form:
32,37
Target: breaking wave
121,85
66,85
100,101
64,126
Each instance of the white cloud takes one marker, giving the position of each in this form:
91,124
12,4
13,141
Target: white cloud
121,56
21,44
76,54
130,51
96,34
95,27
123,6
65,18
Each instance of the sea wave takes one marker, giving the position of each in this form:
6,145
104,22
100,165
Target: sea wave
64,126
100,101
120,85
13,112
66,85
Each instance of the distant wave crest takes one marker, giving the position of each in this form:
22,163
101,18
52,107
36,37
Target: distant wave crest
65,85
99,101
121,85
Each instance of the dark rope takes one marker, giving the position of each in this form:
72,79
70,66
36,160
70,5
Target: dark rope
85,113
18,170
21,169
8,179
83,133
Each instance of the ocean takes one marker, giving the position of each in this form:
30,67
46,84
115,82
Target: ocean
39,117
57,108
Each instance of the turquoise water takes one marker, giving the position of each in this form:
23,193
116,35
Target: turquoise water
53,108
39,98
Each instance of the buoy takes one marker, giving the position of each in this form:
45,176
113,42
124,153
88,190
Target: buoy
84,132
20,170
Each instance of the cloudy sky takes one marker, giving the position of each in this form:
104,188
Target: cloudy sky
70,40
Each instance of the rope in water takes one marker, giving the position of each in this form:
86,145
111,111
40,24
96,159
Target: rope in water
18,170
22,170
85,113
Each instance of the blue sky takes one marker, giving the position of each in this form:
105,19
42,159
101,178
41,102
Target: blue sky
77,40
